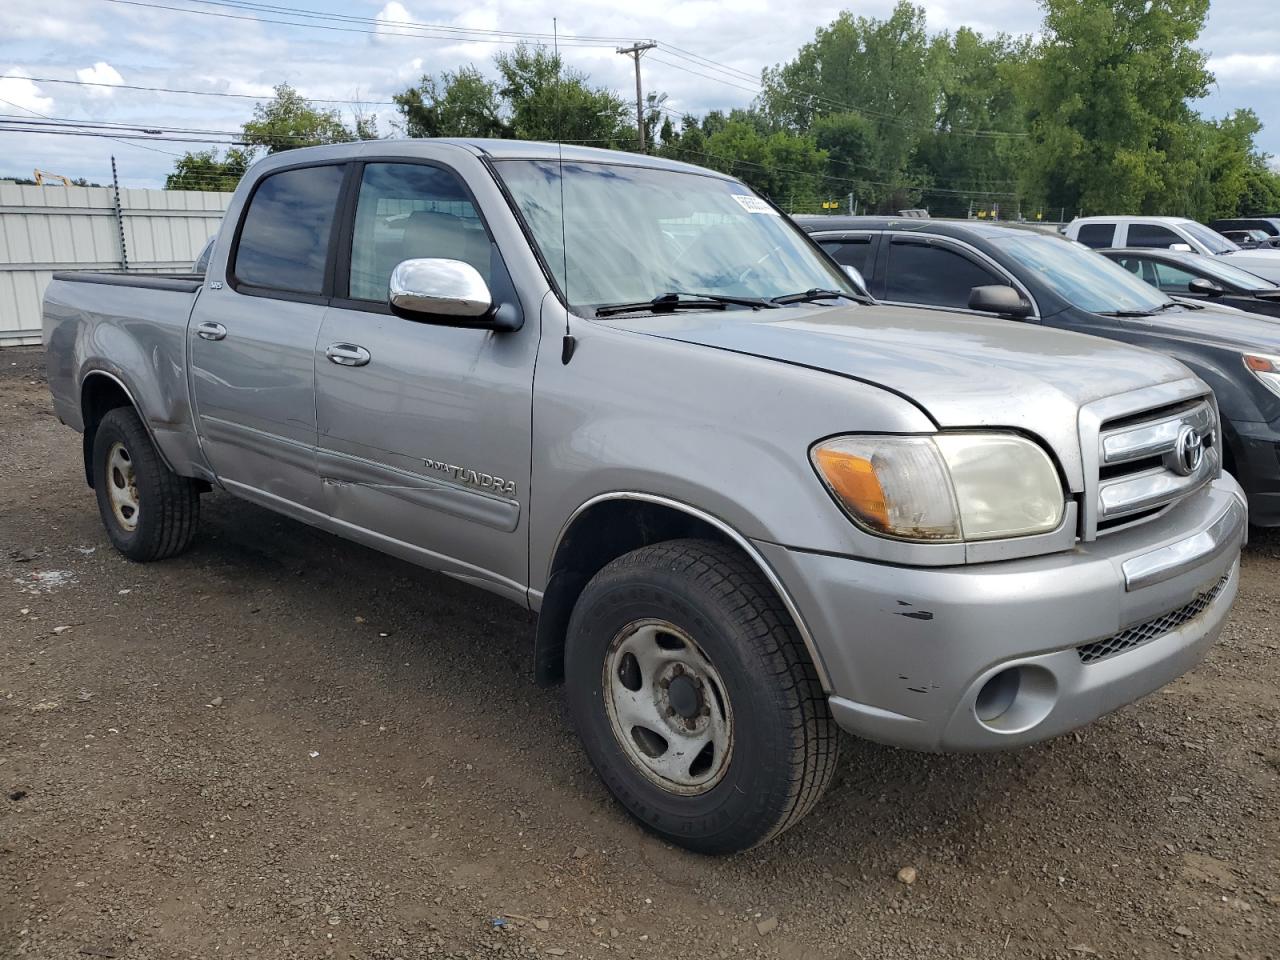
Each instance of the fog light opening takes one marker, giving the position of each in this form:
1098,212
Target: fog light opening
1016,699
997,695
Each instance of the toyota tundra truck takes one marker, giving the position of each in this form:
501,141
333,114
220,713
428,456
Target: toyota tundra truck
750,507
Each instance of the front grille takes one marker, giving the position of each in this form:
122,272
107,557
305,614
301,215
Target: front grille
1140,461
1141,633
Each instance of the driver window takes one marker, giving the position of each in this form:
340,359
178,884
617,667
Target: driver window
406,211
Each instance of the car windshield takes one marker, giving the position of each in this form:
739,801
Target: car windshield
1233,275
630,234
1212,239
1083,278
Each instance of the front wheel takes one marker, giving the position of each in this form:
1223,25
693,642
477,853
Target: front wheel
149,511
694,698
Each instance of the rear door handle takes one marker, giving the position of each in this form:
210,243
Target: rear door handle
347,354
208,330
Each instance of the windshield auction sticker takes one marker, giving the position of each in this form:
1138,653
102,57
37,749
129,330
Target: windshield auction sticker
753,204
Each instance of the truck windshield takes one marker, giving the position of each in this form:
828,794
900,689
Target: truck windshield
631,234
1212,239
1083,278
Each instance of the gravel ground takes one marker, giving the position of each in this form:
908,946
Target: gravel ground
285,745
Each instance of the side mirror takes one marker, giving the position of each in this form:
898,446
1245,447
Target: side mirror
997,298
854,274
1204,287
447,292
1181,248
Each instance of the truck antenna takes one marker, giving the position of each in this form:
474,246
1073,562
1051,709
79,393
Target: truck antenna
570,343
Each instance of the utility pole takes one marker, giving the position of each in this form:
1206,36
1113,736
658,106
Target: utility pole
635,50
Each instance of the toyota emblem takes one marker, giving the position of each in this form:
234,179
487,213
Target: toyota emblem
1189,452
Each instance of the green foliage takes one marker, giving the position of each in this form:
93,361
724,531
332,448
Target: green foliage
535,98
460,104
1108,100
289,121
205,170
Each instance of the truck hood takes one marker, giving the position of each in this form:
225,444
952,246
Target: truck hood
963,371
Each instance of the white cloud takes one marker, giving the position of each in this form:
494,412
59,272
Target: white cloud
391,19
101,73
16,88
1249,69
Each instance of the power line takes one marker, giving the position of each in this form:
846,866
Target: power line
19,106
387,28
202,93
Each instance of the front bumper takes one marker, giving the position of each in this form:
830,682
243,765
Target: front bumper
986,656
1256,449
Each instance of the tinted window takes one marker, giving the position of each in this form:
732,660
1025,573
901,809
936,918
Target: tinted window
1151,235
1173,279
407,211
1097,235
934,275
1080,276
851,252
284,240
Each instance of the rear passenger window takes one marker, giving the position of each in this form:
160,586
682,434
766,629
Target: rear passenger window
919,273
851,252
284,237
407,211
1151,235
1096,235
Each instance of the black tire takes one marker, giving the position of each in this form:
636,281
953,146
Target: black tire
785,743
168,506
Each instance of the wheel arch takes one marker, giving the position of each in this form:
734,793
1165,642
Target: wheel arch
612,524
100,393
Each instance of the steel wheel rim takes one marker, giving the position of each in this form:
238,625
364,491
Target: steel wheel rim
122,486
668,708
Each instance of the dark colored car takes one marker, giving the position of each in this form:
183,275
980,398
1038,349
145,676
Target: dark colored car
1268,225
1031,276
1200,278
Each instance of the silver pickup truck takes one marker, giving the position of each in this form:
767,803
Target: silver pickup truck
750,506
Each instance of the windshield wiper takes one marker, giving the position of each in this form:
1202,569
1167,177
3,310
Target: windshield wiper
817,293
675,300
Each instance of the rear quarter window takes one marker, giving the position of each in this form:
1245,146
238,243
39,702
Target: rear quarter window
1097,235
284,236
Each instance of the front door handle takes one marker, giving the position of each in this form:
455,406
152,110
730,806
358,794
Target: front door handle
208,330
347,354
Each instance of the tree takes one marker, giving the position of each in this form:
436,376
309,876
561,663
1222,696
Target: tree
881,70
206,171
459,104
1108,95
290,121
544,101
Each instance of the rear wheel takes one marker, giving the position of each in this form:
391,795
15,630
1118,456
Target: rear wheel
150,512
695,699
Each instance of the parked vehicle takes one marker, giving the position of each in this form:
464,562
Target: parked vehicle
1270,227
1171,233
1246,239
627,393
1200,278
1042,279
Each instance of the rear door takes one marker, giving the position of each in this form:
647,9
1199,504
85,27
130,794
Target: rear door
424,430
253,335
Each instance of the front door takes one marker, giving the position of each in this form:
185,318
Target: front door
253,335
424,430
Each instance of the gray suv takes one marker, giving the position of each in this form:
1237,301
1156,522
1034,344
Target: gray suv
749,507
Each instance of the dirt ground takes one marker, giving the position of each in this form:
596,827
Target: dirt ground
285,745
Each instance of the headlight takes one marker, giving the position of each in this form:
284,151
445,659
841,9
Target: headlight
946,487
1266,368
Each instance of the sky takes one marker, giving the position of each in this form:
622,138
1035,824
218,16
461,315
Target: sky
710,55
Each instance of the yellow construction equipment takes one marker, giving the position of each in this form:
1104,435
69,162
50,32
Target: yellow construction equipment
42,175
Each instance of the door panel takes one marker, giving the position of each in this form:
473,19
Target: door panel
425,448
253,340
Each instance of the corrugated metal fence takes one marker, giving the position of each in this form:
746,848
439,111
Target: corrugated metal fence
43,229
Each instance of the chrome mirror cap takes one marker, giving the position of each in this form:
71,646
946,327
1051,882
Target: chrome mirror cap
442,287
